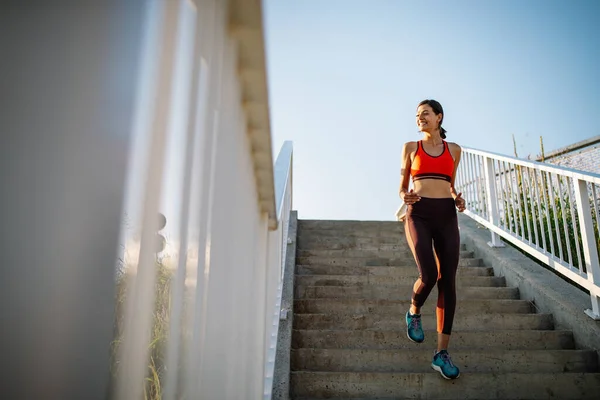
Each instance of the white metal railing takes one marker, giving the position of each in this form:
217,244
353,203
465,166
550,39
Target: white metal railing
551,212
279,238
200,320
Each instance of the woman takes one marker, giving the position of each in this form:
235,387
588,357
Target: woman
432,223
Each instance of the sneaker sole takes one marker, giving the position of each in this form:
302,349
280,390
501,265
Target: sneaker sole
438,369
413,340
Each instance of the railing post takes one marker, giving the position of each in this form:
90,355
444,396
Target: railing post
490,187
592,265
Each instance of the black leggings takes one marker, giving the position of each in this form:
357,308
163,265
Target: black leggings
433,224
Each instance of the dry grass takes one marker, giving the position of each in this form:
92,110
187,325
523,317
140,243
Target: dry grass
160,329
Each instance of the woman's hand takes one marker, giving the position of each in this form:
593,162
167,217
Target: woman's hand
460,203
410,198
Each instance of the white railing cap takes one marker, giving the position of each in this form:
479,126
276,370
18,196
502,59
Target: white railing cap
282,170
555,169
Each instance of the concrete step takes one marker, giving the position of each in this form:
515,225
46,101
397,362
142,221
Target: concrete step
403,253
382,281
344,242
389,385
344,234
337,223
334,244
469,361
407,270
374,262
399,292
333,223
390,340
399,307
355,231
383,322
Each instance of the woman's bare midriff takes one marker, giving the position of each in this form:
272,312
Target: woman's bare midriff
432,188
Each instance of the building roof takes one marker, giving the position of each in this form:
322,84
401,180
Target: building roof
571,148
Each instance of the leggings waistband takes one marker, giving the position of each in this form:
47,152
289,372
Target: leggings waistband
428,207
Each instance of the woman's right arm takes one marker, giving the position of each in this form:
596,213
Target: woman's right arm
409,197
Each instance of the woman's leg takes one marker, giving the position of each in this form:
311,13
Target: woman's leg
419,237
447,247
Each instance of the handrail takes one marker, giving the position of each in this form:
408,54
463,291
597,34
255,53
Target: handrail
282,171
548,211
558,169
283,201
218,282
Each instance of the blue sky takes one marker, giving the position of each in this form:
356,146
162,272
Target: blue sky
345,77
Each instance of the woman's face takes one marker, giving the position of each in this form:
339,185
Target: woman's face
427,121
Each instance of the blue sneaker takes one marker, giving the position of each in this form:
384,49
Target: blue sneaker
443,364
414,330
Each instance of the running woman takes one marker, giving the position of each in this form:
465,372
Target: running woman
431,227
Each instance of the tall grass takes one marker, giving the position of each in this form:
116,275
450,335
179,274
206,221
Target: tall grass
160,328
555,218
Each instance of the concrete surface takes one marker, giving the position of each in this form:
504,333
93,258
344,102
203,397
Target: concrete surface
549,293
392,385
352,285
281,375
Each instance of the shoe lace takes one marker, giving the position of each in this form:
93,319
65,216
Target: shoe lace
415,322
446,359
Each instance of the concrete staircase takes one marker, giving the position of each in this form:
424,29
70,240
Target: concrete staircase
352,288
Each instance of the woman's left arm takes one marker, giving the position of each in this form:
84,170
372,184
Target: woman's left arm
456,151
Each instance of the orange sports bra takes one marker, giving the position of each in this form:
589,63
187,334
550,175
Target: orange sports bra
425,166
